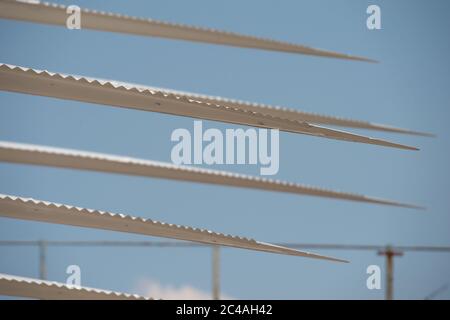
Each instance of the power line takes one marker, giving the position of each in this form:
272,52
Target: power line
128,243
436,292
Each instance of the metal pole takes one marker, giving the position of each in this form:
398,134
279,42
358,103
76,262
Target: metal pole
42,260
216,273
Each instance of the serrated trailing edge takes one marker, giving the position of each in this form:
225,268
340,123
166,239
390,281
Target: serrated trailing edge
292,114
56,14
44,211
67,158
125,95
16,286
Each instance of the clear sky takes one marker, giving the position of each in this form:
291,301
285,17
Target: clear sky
409,88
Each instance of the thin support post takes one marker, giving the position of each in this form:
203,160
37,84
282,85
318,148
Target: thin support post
216,273
43,260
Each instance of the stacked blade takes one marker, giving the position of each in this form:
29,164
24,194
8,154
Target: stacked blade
50,290
44,211
152,99
119,94
76,159
55,14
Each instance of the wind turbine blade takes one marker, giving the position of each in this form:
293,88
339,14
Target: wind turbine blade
66,158
120,94
44,211
16,286
56,14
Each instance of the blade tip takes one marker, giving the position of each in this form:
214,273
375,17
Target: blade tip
340,260
413,206
363,59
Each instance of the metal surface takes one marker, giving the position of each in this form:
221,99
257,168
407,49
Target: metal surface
125,95
43,211
56,14
67,158
49,290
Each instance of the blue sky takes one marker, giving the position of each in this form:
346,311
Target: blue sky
409,88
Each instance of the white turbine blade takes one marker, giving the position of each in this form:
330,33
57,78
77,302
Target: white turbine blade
66,158
290,113
16,286
55,14
37,210
119,94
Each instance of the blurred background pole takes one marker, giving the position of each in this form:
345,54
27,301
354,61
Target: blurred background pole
42,260
216,273
389,253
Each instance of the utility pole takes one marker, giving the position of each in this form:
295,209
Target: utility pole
216,273
390,254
